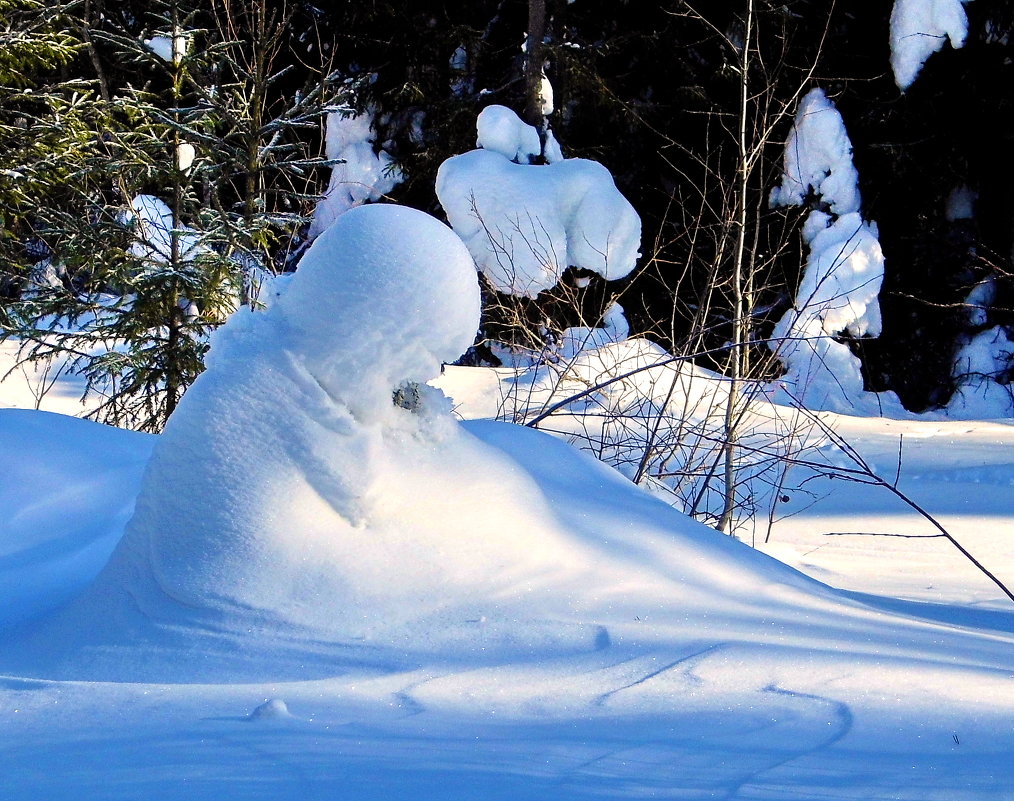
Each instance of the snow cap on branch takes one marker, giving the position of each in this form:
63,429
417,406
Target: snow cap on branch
845,267
525,224
363,173
818,159
919,28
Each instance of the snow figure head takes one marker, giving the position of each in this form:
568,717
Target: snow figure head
381,298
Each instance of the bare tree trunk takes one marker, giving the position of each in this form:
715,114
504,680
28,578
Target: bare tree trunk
739,318
534,66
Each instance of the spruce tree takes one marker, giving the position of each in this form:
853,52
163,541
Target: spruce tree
195,182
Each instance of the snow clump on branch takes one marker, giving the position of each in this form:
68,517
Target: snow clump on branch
919,28
363,173
525,224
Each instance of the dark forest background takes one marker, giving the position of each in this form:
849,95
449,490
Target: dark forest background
653,90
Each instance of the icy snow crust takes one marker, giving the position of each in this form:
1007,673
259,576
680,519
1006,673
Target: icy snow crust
524,224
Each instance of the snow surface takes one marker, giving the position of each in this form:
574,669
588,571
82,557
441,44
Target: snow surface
847,698
919,28
509,618
524,224
365,172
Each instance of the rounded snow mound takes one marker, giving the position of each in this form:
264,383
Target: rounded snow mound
308,510
298,471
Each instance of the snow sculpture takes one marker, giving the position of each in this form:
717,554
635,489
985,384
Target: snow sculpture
919,29
524,224
845,268
264,496
364,174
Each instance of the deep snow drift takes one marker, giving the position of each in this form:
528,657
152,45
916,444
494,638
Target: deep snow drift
711,693
312,504
294,509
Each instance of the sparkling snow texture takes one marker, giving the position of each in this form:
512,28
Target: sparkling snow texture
525,224
919,28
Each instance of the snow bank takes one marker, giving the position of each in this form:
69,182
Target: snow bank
68,489
657,419
706,692
288,485
365,173
919,28
525,224
310,504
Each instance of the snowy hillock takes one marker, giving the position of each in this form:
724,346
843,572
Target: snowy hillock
525,224
311,500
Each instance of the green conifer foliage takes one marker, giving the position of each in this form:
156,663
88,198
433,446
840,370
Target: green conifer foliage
190,179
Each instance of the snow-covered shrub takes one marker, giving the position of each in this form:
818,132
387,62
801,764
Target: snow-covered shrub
363,171
919,28
981,368
525,224
845,266
659,420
